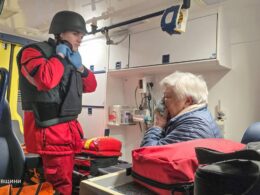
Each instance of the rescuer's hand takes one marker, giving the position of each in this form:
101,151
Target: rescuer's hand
75,59
63,50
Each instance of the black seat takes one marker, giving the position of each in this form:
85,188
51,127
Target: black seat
252,133
12,157
14,162
233,173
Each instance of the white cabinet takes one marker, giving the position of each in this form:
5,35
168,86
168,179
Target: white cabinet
204,47
96,98
93,114
92,121
118,54
199,42
200,46
94,53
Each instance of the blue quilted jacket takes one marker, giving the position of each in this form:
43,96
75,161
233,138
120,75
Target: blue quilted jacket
195,124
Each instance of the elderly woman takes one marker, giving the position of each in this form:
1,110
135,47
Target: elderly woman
185,98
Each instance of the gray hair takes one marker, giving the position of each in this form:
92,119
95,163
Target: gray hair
185,84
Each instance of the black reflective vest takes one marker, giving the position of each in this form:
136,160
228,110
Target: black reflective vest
58,105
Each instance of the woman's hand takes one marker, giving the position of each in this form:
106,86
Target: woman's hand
160,120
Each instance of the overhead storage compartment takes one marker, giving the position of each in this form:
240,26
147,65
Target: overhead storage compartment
199,42
202,48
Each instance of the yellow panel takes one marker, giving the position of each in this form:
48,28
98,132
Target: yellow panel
14,90
5,49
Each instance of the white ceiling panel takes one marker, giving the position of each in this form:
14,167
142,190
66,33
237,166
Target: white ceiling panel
31,18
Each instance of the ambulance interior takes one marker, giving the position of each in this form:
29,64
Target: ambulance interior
130,48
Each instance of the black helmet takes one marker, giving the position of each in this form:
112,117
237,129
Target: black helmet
67,21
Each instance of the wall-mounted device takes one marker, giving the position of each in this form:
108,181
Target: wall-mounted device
143,116
144,83
220,117
144,112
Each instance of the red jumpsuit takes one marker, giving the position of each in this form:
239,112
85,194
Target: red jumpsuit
57,143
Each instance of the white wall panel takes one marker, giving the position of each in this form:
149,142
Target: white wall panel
95,52
239,89
98,97
119,52
93,124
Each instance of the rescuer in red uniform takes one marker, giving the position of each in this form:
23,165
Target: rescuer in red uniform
52,80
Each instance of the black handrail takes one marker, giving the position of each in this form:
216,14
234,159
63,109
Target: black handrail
185,5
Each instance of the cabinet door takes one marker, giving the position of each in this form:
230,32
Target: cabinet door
197,43
96,98
118,54
95,53
93,124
